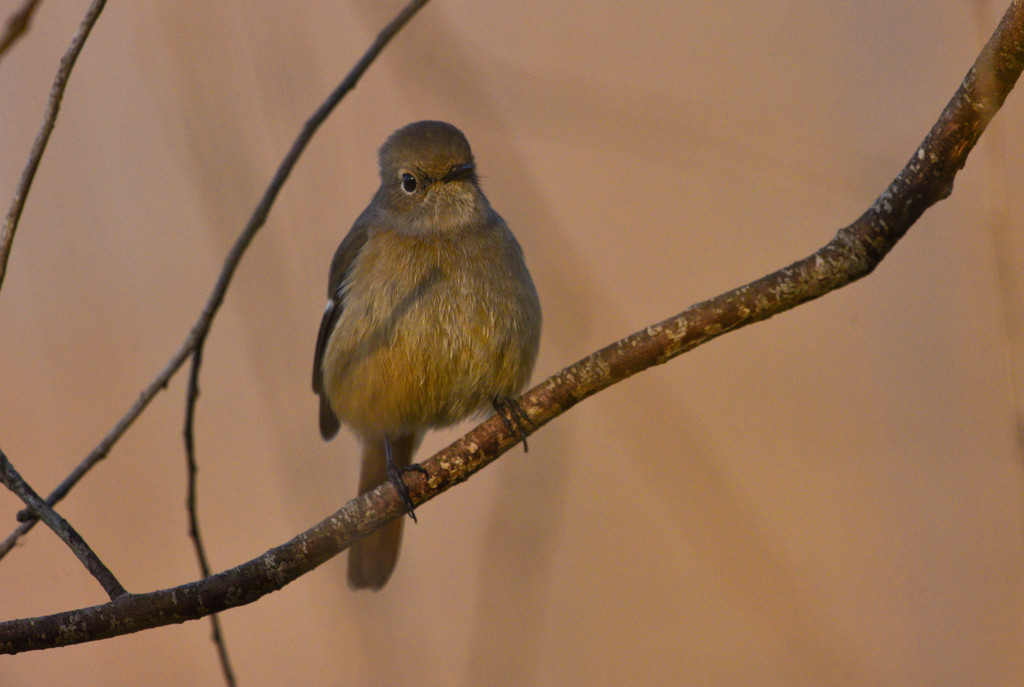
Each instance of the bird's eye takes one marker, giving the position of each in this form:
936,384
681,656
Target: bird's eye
409,183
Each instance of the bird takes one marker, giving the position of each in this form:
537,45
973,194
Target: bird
431,317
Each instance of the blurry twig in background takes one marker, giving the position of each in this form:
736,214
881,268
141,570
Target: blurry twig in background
1006,262
17,24
67,63
197,335
853,253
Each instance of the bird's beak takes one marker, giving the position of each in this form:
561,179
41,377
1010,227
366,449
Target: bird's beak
463,171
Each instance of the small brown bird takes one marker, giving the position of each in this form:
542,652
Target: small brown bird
431,317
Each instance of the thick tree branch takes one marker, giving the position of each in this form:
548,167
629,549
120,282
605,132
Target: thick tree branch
853,253
197,335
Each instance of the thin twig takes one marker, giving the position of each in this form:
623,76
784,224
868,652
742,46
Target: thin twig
193,510
63,529
17,25
259,216
67,63
854,252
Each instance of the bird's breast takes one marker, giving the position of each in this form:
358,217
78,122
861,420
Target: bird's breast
426,336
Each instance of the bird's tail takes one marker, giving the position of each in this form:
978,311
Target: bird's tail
372,559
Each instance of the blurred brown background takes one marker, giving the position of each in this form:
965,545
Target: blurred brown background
830,497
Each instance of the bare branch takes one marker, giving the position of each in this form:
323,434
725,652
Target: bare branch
17,24
63,529
197,335
67,63
241,585
193,509
853,253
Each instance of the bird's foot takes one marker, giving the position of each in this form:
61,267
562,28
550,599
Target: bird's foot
514,416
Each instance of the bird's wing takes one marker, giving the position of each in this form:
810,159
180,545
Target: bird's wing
343,259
